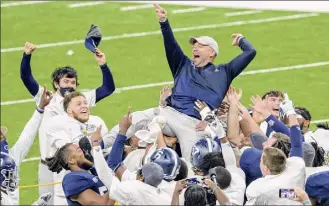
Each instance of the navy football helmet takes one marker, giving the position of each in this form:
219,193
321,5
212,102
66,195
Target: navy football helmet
201,148
9,173
4,146
168,160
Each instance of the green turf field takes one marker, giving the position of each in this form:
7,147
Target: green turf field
141,60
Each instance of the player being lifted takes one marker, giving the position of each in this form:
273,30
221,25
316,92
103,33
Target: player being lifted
197,79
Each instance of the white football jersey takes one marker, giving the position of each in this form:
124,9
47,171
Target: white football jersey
62,129
55,107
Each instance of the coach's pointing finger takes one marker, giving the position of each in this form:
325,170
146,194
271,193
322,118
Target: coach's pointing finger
160,13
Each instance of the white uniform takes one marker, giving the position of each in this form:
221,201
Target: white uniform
6,199
183,127
312,170
178,124
134,159
235,192
130,192
140,120
167,187
23,145
63,129
55,107
293,176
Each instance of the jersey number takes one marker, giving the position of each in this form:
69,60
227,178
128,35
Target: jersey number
102,190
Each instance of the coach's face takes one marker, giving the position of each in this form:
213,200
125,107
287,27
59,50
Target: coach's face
202,54
78,108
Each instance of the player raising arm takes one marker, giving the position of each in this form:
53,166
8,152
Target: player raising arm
11,158
64,79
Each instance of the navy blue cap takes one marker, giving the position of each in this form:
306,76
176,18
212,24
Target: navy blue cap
249,163
93,38
317,185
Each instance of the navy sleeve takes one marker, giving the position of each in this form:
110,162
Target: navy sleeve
75,184
239,63
115,157
296,140
174,53
277,125
108,85
269,131
26,75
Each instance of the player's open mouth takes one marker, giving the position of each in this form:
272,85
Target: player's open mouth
84,111
276,110
195,56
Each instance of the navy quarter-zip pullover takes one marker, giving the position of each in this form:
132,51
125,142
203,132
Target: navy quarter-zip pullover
209,83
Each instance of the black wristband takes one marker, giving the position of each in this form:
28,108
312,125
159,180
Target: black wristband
41,111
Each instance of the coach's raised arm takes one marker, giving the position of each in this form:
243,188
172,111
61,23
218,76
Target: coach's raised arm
198,77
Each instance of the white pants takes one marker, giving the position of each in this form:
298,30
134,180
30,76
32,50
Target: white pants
183,127
59,196
46,176
178,124
60,200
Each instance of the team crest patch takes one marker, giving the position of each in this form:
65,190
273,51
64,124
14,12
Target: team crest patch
271,123
95,179
90,127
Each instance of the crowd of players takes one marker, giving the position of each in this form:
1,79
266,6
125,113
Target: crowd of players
199,146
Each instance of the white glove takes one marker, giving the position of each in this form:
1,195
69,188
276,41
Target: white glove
43,199
205,112
157,124
287,106
210,132
217,127
145,137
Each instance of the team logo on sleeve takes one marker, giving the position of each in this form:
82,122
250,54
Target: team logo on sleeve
95,179
83,130
90,128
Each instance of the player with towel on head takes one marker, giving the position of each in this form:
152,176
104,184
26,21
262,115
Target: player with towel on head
197,79
64,80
